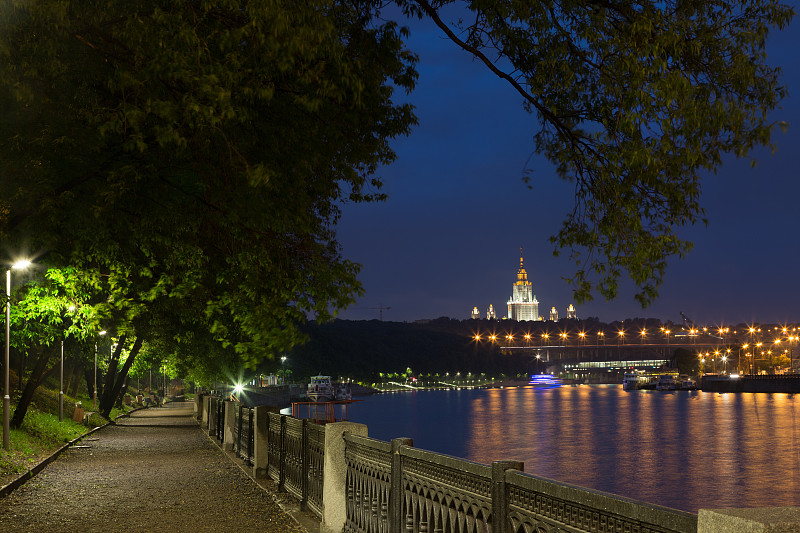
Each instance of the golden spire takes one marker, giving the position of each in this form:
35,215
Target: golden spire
522,276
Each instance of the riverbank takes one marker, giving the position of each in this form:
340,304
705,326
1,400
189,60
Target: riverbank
789,383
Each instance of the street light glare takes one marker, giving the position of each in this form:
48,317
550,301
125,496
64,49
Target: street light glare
102,332
21,265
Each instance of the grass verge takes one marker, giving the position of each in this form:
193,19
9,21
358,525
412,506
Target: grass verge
40,435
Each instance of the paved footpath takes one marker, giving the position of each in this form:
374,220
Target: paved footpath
153,471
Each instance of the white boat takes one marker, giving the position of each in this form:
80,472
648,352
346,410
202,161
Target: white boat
637,380
321,389
630,381
667,382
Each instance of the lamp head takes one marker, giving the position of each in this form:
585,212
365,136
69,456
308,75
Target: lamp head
21,265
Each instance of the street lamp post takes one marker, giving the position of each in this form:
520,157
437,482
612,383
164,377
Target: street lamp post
94,388
61,388
95,371
19,265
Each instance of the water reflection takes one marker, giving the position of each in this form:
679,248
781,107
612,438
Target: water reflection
681,449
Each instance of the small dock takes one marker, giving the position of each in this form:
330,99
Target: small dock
322,412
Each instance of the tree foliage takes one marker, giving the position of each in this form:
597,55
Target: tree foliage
200,151
190,158
51,313
636,101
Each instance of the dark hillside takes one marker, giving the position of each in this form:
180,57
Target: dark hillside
362,349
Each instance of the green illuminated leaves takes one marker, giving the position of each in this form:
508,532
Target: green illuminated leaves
193,157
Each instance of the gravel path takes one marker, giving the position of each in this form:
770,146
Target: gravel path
153,471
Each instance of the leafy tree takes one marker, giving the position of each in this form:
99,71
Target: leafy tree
54,310
200,151
195,155
686,361
636,100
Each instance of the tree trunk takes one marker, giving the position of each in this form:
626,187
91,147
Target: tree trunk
75,379
87,372
113,392
122,391
37,374
108,395
68,371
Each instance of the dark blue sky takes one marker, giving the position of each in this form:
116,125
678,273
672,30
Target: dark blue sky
448,238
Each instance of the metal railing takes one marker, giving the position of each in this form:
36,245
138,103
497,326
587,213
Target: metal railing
244,434
393,487
295,458
220,420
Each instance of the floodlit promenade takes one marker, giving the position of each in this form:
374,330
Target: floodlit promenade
153,471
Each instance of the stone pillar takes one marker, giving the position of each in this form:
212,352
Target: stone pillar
198,406
212,418
260,441
230,422
205,406
756,520
500,521
395,510
334,488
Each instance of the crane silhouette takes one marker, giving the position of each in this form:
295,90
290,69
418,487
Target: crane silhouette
380,309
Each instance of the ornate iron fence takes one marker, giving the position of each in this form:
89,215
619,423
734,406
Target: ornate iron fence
543,505
244,434
220,427
369,476
315,464
295,458
295,462
274,446
393,487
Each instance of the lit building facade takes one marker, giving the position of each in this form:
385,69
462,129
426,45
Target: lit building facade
571,313
475,313
490,314
523,304
553,314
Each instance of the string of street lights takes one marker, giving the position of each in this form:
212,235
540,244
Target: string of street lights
693,334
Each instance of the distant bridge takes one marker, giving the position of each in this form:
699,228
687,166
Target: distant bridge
610,356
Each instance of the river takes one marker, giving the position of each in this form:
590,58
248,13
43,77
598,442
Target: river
681,449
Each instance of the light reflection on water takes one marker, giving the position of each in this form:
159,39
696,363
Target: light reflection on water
686,450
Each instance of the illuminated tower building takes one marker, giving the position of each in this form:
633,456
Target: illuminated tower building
571,313
475,313
490,312
523,304
553,314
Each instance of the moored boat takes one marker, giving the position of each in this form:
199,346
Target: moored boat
321,389
545,381
667,382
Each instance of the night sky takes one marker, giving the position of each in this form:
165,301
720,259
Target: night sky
449,236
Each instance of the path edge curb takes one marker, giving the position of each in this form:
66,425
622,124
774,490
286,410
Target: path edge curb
5,490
